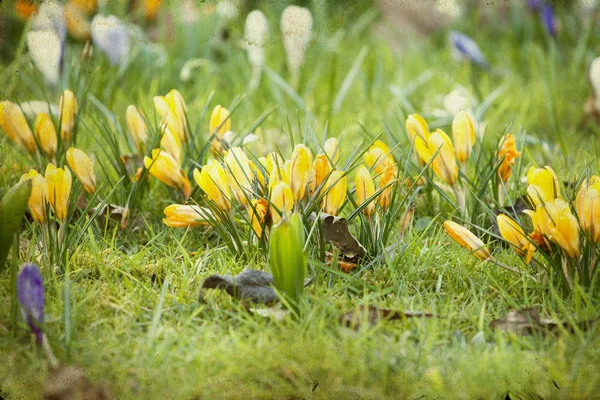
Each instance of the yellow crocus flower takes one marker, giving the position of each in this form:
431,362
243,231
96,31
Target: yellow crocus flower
444,163
463,133
46,134
335,189
239,173
300,171
365,188
212,179
282,201
508,154
15,125
467,239
378,157
588,207
138,130
166,169
220,123
39,195
332,149
416,126
186,216
389,175
172,110
543,185
320,169
59,189
258,213
171,143
82,166
514,234
67,109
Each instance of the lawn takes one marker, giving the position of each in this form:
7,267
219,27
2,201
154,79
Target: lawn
124,297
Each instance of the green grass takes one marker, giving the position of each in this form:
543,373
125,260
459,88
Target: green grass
136,324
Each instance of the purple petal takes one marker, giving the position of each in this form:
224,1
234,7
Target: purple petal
30,291
464,47
547,16
534,5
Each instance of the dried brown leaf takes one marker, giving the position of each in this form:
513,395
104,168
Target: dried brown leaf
373,315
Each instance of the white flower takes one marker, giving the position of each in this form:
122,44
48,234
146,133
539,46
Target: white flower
296,27
228,9
595,78
111,36
50,17
45,49
458,99
34,107
256,33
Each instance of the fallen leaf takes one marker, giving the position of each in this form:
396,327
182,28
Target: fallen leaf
345,266
373,315
527,321
335,231
250,285
70,383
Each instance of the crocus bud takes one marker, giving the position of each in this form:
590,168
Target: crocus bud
543,185
186,216
465,48
444,163
287,258
46,134
507,156
15,125
30,292
548,19
111,36
332,149
335,189
258,214
239,173
271,161
172,110
365,188
82,166
463,133
165,168
282,201
467,239
280,173
67,109
388,176
220,123
515,236
588,207
138,130
171,143
378,157
59,189
212,179
300,171
416,126
39,195
296,27
320,170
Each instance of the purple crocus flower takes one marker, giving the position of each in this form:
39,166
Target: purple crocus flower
547,16
534,5
30,291
465,48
